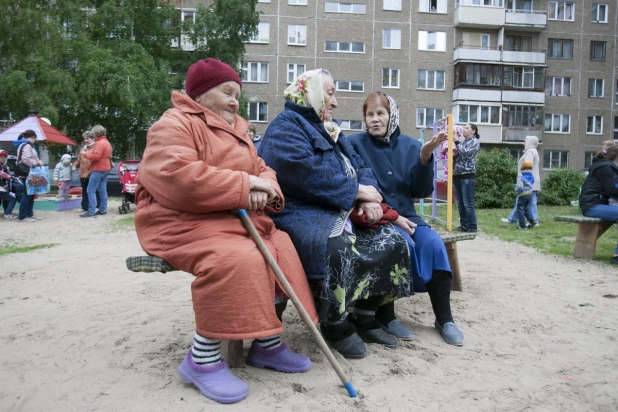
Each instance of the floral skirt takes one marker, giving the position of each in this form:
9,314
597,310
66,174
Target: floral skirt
362,264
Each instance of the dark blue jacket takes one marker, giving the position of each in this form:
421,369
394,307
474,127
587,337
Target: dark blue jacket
311,173
397,166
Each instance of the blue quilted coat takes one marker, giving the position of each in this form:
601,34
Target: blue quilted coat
311,174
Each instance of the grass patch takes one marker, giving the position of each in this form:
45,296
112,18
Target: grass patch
7,249
551,237
125,224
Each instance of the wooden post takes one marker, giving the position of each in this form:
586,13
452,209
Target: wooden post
231,351
453,260
586,238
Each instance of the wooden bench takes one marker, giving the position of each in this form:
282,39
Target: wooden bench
450,241
589,230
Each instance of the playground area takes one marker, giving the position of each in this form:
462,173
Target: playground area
78,331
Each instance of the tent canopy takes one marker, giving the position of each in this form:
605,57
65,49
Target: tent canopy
44,132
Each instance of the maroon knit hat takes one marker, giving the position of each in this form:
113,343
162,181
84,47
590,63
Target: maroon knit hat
206,74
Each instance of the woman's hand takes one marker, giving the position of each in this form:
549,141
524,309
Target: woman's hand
262,185
368,194
406,225
41,163
257,200
372,210
431,145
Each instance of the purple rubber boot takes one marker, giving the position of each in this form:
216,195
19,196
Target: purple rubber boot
215,382
281,359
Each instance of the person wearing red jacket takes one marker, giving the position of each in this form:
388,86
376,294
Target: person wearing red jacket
101,158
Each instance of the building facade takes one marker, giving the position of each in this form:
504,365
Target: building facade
515,68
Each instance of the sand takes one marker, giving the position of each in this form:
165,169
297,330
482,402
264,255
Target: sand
79,332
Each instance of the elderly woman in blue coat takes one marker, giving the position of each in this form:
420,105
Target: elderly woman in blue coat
351,267
404,170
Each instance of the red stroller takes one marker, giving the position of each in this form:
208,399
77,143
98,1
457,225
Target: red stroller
127,172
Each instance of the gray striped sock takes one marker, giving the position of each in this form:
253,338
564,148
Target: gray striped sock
205,351
269,342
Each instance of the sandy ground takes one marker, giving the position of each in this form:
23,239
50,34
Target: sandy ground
78,332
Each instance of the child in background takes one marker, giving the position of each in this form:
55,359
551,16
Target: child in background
62,175
524,196
6,197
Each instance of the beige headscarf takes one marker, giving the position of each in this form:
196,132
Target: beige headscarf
307,90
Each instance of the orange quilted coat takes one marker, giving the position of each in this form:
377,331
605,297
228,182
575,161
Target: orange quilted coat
194,172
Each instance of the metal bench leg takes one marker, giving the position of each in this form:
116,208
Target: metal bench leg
231,351
453,260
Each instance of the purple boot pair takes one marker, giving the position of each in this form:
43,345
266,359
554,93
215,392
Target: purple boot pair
216,382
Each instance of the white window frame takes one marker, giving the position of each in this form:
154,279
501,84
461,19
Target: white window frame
293,69
594,124
347,125
263,1
340,83
263,29
340,50
557,4
561,162
594,88
355,8
248,69
556,122
424,111
391,75
297,2
488,37
479,108
427,81
299,40
392,5
599,6
423,40
562,81
394,37
424,6
185,40
258,107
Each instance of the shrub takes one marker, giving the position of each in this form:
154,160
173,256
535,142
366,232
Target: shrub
561,186
496,175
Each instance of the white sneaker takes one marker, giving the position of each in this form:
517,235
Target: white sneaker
505,220
9,216
28,219
36,218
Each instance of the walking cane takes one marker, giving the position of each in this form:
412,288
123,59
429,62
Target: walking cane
244,217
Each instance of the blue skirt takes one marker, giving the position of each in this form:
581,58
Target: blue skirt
430,253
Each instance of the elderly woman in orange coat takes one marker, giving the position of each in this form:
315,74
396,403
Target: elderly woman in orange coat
197,169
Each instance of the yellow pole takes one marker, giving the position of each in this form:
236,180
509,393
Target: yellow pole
449,180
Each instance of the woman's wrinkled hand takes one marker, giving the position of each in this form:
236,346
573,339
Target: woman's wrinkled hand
257,200
431,145
372,210
262,185
368,194
408,226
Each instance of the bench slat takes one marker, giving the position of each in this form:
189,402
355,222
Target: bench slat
577,219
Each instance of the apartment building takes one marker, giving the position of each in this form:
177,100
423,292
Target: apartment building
513,67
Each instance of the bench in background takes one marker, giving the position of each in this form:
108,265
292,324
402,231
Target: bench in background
589,230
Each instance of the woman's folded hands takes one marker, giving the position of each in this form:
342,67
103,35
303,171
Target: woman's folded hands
261,193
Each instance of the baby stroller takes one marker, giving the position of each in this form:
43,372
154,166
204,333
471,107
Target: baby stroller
127,172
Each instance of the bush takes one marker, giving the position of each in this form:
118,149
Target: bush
496,176
561,186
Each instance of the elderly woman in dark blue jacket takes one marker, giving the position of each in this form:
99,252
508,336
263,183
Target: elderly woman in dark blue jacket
326,186
404,170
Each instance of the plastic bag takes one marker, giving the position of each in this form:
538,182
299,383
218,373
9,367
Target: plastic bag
37,181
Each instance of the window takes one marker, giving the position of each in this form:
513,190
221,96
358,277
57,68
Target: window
597,50
258,112
390,78
428,116
297,2
432,40
558,123
485,40
297,34
516,153
492,3
254,72
335,7
478,74
394,5
561,10
519,5
594,125
349,86
518,43
344,47
588,156
558,86
263,34
560,49
431,79
595,87
263,1
391,39
524,77
616,128
295,70
554,159
351,125
432,6
599,13
479,114
523,117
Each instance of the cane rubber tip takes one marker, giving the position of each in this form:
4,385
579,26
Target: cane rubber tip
242,213
350,389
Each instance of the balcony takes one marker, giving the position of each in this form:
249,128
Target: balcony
479,17
489,94
531,57
519,135
490,133
477,95
476,54
523,97
525,20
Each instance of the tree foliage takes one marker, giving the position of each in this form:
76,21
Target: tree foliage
109,62
496,175
561,186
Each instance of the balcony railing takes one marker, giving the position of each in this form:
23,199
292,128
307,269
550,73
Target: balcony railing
481,54
519,134
526,19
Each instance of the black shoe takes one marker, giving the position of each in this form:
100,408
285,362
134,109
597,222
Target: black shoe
100,213
461,229
86,215
372,332
351,346
532,224
614,260
471,230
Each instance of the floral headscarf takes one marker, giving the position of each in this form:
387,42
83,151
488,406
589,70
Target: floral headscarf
393,119
307,90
